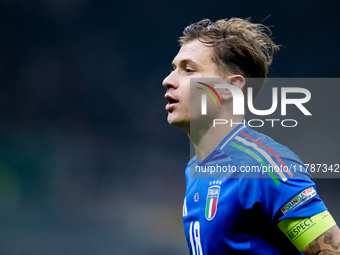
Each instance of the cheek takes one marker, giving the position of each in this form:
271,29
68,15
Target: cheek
195,102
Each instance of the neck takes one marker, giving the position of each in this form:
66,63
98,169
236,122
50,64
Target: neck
206,139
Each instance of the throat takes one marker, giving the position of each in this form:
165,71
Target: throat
206,141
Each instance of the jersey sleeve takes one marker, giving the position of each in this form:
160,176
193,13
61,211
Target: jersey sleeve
288,193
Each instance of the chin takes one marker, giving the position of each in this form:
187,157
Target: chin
179,122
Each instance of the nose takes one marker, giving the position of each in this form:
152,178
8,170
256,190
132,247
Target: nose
170,81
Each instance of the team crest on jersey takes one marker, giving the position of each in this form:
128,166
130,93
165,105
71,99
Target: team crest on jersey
212,200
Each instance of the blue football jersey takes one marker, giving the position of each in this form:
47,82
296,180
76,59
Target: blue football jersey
236,196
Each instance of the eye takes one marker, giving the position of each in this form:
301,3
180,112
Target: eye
189,70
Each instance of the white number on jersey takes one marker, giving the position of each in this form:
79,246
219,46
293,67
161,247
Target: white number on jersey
195,239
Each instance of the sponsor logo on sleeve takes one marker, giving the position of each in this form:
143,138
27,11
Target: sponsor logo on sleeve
299,199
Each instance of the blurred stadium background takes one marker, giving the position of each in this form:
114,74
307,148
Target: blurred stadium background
88,163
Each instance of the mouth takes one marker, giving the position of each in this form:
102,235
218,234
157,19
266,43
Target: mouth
172,102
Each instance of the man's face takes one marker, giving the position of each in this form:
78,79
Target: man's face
194,60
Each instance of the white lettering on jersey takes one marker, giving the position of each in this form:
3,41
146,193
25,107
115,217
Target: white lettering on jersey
195,236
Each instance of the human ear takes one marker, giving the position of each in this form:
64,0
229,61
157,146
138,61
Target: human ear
235,80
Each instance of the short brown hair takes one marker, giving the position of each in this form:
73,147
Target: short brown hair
240,47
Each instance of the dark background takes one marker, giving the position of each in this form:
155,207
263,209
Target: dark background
88,163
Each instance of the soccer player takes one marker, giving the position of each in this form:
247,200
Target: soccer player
240,214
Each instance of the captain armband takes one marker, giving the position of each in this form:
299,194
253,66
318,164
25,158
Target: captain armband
302,231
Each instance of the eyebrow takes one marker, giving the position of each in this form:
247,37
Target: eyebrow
185,62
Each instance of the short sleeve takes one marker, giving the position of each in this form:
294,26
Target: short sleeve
295,197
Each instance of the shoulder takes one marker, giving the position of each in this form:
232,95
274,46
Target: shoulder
191,162
250,147
249,138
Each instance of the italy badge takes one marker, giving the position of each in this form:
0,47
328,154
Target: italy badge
212,199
